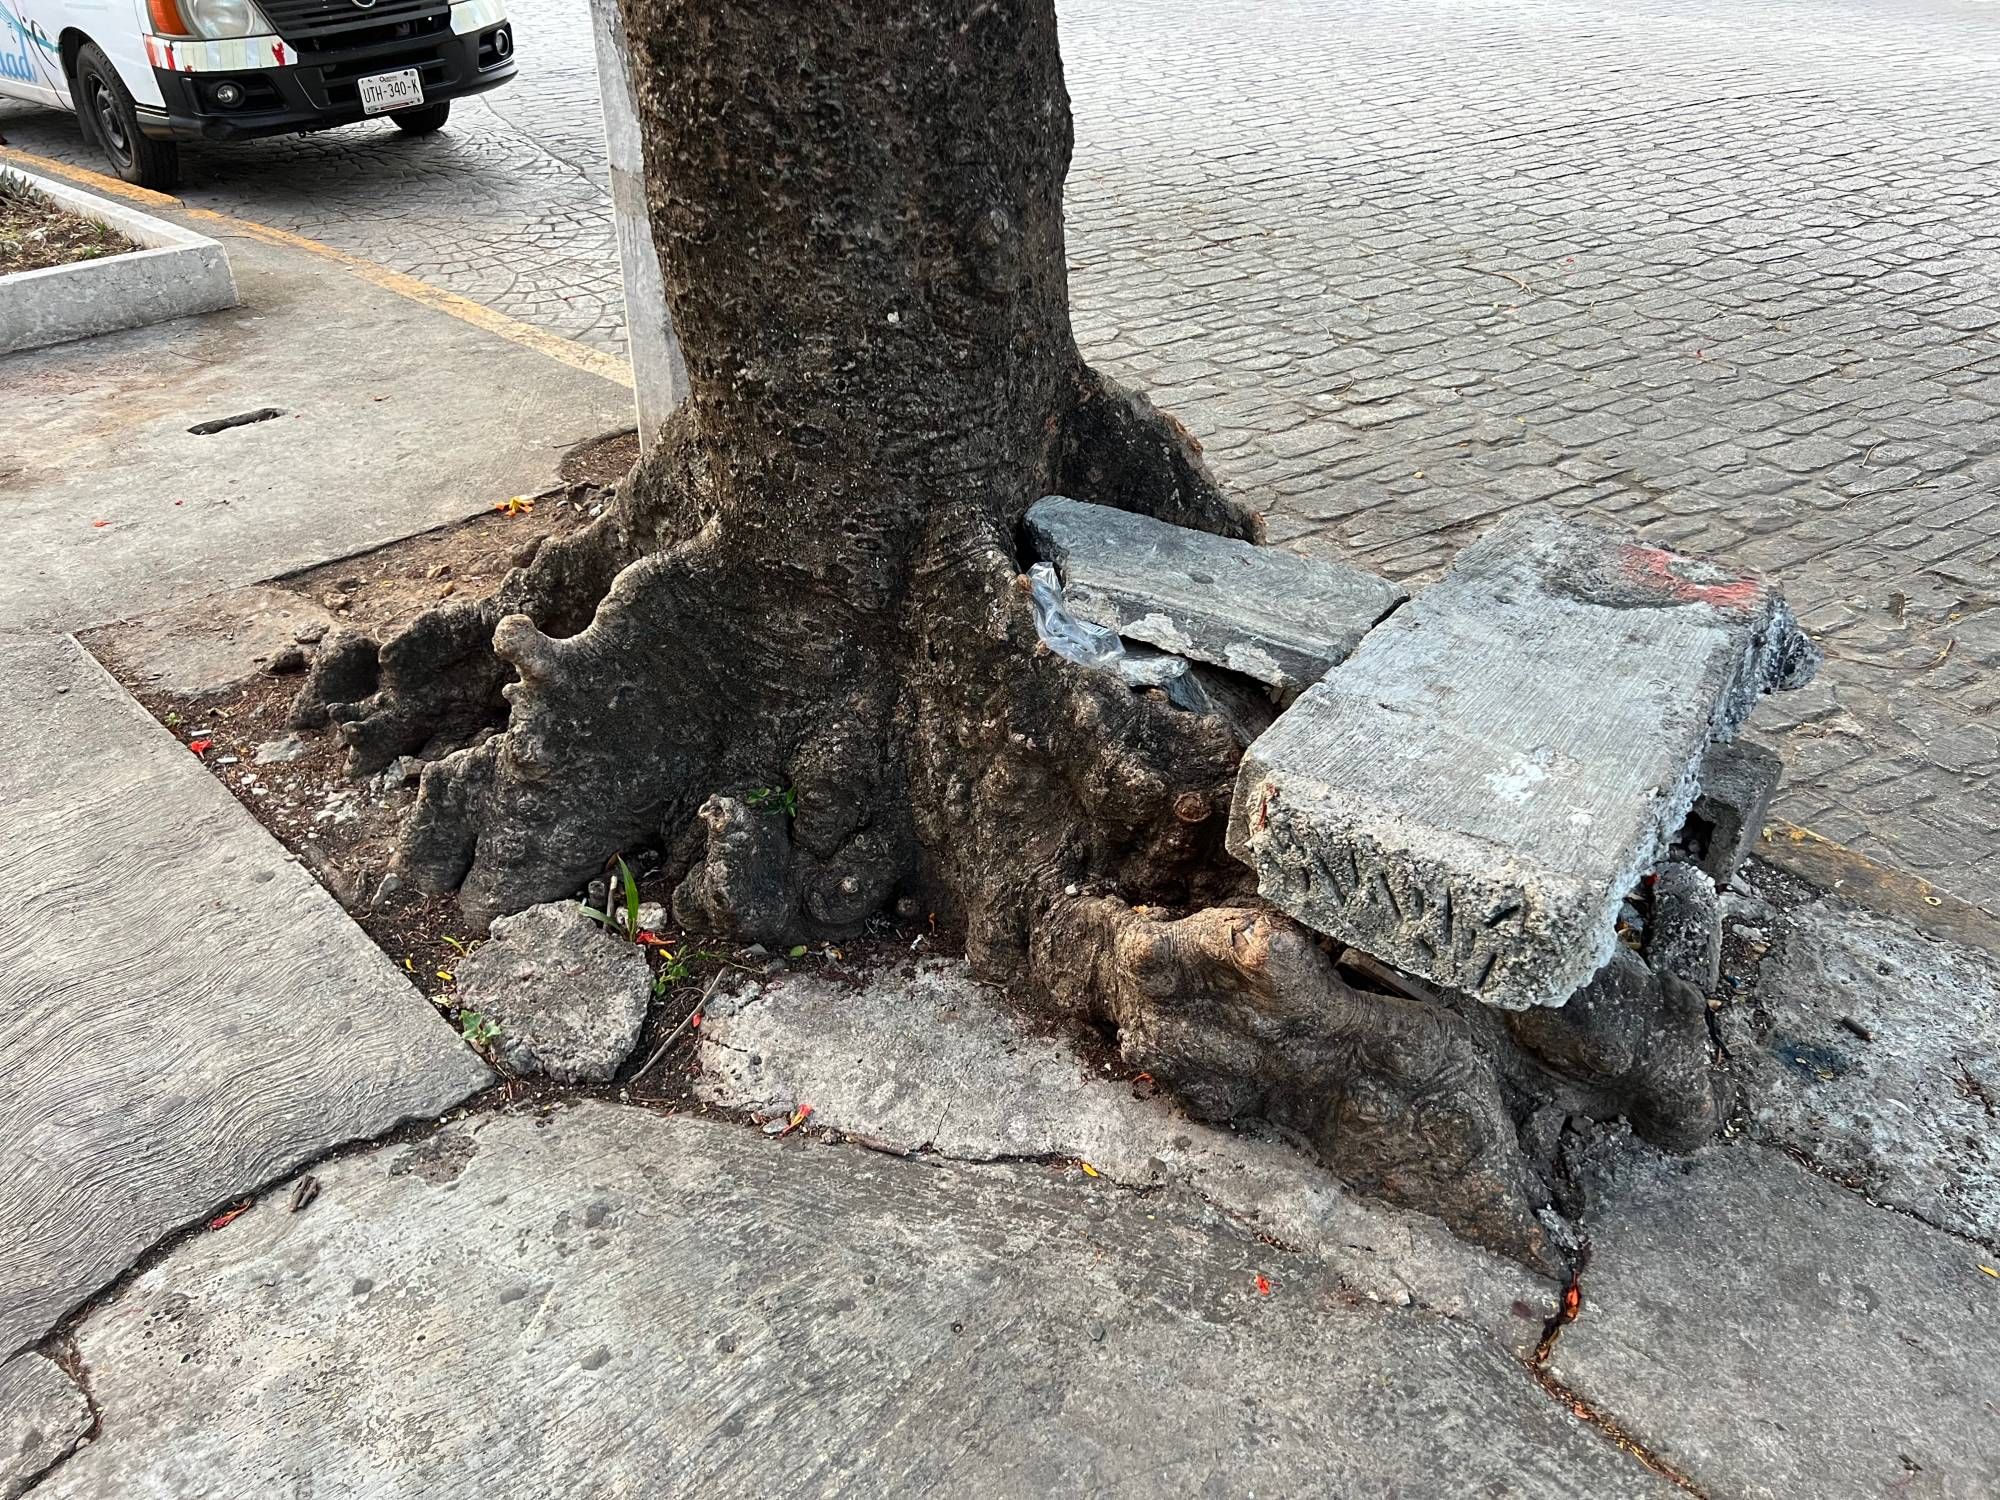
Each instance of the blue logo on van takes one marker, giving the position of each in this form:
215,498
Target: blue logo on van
20,65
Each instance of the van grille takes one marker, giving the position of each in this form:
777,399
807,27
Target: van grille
298,20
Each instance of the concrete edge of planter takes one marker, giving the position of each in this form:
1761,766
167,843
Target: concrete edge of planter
176,273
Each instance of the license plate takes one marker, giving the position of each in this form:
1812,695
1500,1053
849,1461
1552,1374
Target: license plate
387,91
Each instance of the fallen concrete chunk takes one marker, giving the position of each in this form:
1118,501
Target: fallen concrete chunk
925,1058
1738,780
42,1417
1261,611
1471,795
569,997
606,1302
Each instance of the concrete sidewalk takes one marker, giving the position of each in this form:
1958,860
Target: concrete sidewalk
394,416
184,1013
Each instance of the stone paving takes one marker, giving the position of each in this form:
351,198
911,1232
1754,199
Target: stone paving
1725,270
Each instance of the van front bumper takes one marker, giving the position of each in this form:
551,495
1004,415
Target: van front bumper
321,91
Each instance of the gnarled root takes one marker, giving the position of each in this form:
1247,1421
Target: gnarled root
1242,1013
1632,1042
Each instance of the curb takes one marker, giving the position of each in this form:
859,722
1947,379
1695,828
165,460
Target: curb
176,274
554,345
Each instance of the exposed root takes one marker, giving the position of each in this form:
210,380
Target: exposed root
1632,1042
1242,1013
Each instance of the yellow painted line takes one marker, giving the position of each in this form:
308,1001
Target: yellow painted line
1820,861
554,345
97,182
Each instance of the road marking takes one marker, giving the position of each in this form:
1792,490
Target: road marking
1820,862
554,345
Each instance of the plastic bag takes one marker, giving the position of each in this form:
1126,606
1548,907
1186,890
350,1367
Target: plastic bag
1096,646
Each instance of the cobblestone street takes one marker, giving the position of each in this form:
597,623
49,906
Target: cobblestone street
1727,271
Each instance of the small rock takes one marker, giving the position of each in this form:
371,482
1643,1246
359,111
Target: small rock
290,659
338,601
403,770
351,584
442,570
311,633
652,916
279,752
568,998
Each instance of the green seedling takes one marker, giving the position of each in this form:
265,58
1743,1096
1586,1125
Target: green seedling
481,1031
770,799
629,884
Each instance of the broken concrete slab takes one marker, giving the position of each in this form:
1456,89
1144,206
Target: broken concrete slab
1875,1051
184,1013
925,1058
1472,794
610,1301
43,1416
218,647
568,996
1738,780
1267,613
1771,1335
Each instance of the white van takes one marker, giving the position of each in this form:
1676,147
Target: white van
142,75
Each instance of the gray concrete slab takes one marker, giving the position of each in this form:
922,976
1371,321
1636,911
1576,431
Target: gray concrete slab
42,1416
925,1058
1472,793
1904,1099
184,1013
396,417
1773,1336
1272,615
613,1302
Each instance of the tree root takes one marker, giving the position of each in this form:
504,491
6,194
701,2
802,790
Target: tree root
1242,1013
1119,449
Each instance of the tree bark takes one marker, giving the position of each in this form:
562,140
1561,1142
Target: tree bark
813,584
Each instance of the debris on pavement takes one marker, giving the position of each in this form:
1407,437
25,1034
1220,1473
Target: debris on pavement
1471,796
1269,614
567,998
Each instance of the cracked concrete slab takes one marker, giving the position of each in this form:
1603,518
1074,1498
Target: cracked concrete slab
1269,614
611,1301
926,1058
1772,1335
42,1417
1903,1100
1471,795
184,1013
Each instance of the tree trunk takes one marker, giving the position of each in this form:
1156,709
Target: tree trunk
812,586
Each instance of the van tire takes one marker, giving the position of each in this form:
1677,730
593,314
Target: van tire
423,121
105,107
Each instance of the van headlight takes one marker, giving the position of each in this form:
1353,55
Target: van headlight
220,20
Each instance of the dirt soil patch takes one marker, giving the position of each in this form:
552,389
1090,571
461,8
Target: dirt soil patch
344,830
35,234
